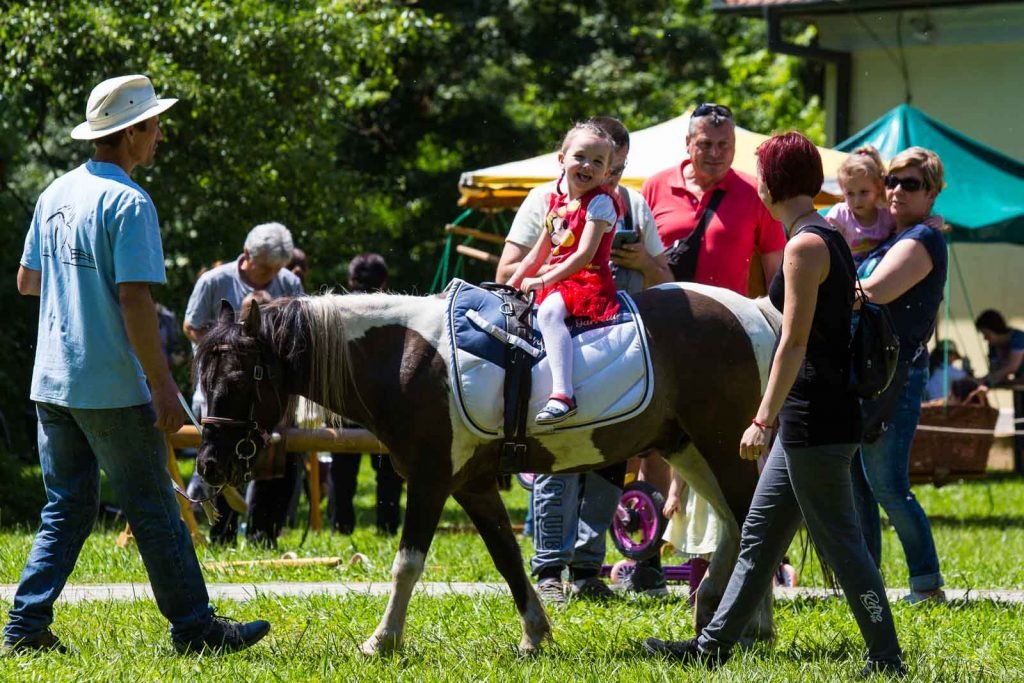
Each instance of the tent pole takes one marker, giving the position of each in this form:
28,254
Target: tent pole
949,325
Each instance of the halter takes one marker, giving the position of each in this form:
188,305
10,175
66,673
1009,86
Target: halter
249,445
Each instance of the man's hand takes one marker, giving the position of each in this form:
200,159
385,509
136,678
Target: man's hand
654,269
169,414
633,256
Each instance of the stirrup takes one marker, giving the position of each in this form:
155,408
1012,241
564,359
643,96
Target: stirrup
559,407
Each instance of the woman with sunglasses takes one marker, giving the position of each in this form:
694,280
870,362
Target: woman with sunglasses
907,272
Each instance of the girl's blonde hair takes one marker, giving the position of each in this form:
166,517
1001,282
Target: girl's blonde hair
863,162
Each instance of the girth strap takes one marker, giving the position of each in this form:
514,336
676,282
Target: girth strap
518,314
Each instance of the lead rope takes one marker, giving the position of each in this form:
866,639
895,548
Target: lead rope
208,507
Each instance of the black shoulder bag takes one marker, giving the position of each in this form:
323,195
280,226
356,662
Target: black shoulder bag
682,256
874,347
876,374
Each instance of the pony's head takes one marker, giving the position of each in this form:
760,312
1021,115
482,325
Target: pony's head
243,381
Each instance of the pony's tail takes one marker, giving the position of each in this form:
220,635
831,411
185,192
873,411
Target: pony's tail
770,313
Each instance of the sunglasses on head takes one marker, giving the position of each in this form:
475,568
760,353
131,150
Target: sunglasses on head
711,109
909,184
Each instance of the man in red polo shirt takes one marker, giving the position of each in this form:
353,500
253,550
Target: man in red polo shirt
741,225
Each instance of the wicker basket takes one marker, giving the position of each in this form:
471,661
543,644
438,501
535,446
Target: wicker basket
943,455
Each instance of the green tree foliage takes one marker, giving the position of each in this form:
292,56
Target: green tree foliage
349,121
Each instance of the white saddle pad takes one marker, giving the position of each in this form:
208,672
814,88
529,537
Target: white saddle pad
612,374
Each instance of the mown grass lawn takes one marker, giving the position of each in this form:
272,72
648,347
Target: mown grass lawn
461,638
979,529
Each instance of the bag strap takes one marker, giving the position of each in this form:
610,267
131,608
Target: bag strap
694,239
627,219
851,268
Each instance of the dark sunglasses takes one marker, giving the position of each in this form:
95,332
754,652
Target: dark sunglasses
909,184
616,171
711,109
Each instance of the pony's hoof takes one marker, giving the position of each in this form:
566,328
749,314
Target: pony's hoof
532,645
377,645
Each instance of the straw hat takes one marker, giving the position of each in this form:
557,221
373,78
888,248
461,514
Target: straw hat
117,103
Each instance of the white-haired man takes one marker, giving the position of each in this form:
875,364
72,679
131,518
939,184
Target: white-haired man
100,382
260,268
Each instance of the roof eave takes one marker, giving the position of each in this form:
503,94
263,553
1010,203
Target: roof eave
839,6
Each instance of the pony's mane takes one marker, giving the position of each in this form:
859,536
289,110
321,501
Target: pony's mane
322,327
328,346
293,326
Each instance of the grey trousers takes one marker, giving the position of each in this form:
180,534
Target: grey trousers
815,483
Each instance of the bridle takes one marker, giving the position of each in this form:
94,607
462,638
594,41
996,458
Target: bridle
254,438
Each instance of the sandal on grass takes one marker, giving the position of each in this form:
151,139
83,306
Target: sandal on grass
558,408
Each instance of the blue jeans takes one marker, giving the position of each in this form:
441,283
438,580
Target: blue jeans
571,513
73,445
881,474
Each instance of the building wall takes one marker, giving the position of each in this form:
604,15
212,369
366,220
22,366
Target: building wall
966,70
976,89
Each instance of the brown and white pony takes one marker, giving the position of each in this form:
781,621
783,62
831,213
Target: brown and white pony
382,361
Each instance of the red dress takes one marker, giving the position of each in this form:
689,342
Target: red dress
590,291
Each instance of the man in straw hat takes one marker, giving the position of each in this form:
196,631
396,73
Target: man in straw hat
91,253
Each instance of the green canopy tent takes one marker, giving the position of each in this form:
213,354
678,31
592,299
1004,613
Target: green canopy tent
984,197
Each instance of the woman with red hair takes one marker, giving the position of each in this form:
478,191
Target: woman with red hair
807,473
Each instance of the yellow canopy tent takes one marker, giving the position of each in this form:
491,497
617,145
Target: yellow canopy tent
651,150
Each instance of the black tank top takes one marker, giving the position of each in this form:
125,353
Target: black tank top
820,409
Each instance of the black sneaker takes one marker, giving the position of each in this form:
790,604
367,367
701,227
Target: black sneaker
686,651
890,668
643,579
224,635
591,588
44,642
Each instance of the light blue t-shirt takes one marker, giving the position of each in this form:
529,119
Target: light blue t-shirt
225,282
93,229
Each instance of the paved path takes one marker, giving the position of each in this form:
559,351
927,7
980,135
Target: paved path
248,591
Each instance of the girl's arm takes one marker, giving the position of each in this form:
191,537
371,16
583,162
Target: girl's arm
590,240
533,261
674,498
805,266
906,264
